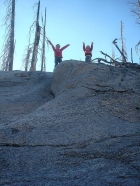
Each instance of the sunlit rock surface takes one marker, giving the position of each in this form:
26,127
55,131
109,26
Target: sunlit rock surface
79,125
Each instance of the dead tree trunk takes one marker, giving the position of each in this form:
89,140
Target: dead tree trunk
113,54
136,11
9,45
43,45
12,46
131,56
36,41
115,43
27,56
106,55
124,56
27,59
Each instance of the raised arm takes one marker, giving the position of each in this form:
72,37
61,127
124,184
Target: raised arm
65,47
51,44
83,46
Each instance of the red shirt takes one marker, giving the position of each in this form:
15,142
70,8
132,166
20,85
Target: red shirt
88,51
58,52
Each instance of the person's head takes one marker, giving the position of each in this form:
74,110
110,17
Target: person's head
57,46
87,47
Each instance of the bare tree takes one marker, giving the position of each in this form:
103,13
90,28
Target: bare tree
123,45
131,56
28,51
36,41
112,59
43,64
9,45
136,11
26,59
113,54
122,54
33,49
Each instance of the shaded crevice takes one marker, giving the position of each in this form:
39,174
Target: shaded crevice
19,145
116,156
113,137
25,145
72,145
109,90
52,93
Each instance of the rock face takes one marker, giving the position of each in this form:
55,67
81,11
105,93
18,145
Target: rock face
77,126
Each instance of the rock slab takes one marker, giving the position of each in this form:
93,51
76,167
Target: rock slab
79,125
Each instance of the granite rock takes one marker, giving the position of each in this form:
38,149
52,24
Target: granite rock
76,126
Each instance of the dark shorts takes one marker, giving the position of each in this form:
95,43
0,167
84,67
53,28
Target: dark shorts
57,60
88,58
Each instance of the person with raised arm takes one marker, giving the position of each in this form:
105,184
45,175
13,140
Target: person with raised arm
88,51
57,52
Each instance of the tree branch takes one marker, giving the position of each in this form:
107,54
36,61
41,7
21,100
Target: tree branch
115,43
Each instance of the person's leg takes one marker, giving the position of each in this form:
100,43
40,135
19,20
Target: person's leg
88,59
56,61
60,60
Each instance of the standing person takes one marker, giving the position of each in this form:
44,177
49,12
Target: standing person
88,52
58,52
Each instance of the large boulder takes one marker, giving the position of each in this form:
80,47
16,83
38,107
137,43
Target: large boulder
21,93
80,126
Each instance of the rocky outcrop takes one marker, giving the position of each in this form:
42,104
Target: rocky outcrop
21,93
77,126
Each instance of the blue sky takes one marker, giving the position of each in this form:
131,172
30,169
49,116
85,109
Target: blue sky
73,22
